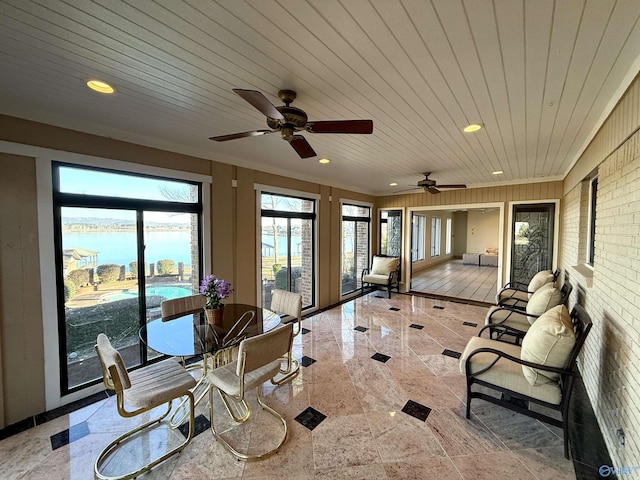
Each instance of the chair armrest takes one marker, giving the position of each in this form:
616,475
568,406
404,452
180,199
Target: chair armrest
504,329
500,354
512,303
517,286
512,312
365,271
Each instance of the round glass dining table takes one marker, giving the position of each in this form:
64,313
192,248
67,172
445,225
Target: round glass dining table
191,335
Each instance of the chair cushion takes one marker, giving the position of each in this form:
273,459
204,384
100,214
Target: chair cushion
539,279
506,317
377,279
505,373
226,378
157,384
548,342
546,297
384,265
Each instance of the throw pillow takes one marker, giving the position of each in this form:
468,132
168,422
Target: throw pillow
384,265
546,297
539,279
548,342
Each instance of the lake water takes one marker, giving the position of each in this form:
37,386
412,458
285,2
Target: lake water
120,247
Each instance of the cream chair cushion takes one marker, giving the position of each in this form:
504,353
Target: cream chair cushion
539,279
383,265
546,297
548,342
505,373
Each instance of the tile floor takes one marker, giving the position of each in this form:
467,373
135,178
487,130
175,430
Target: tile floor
453,279
379,396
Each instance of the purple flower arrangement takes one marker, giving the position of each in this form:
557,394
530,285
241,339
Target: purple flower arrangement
214,289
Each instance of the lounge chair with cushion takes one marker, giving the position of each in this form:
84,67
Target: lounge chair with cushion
541,371
384,272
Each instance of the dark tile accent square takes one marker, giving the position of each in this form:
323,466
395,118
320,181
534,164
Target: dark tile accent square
200,424
470,324
304,331
381,357
379,296
69,435
416,326
395,309
361,329
310,418
438,307
307,361
451,353
416,410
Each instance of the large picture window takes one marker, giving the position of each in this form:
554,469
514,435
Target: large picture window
123,242
288,246
356,222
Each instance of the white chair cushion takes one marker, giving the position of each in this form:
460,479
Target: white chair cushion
539,279
383,265
226,378
377,279
158,383
505,373
546,297
548,342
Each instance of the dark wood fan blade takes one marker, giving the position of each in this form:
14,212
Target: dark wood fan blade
340,126
233,136
302,147
459,185
433,190
259,101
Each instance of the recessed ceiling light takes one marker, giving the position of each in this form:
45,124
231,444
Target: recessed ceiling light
393,184
324,160
100,86
474,127
498,172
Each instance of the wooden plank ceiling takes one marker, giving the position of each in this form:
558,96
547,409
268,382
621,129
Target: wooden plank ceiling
539,75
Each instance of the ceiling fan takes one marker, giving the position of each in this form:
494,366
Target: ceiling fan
288,120
430,185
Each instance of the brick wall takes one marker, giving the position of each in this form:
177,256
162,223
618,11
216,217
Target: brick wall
610,362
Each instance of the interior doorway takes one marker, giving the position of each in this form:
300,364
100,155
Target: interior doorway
467,262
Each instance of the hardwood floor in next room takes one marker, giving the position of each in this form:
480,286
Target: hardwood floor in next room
453,279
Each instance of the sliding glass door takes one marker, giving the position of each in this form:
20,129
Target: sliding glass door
124,243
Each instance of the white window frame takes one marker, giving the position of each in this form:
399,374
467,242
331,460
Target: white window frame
418,234
260,189
436,230
448,237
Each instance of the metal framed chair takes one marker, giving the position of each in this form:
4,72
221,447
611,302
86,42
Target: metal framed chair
141,390
518,320
258,360
541,371
289,304
384,272
517,294
177,307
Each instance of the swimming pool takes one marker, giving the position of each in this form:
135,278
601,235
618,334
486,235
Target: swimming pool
166,292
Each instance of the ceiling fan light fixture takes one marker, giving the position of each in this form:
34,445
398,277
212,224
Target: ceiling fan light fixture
100,86
473,127
287,133
324,160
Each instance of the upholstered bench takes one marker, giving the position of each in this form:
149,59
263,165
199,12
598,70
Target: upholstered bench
471,259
